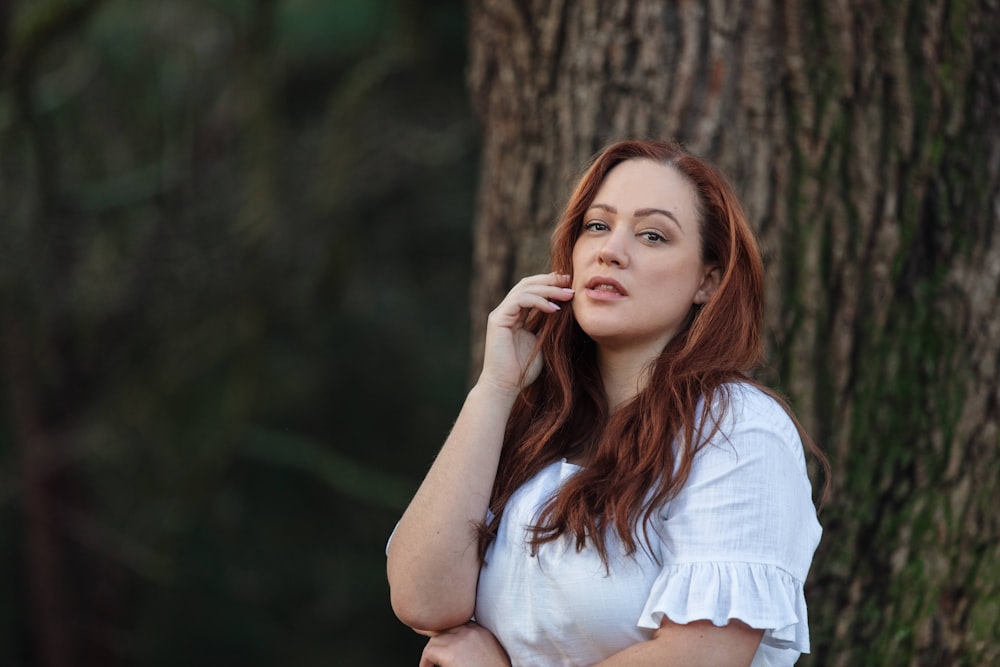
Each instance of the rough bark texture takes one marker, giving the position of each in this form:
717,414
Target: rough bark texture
865,141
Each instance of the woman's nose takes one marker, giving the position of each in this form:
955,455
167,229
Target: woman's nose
613,252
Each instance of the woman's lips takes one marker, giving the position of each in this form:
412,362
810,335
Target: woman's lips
605,289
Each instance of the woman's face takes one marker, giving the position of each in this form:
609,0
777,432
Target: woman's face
637,267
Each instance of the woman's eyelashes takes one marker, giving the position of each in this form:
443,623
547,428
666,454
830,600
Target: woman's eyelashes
596,226
650,236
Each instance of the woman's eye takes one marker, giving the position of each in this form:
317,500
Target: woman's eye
595,225
653,237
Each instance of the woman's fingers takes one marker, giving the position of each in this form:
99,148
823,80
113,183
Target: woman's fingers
468,645
512,310
543,292
552,285
554,278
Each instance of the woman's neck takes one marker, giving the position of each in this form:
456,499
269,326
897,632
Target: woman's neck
624,374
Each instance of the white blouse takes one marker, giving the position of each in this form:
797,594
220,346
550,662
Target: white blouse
735,543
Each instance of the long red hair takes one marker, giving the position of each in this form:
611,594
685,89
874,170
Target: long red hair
640,456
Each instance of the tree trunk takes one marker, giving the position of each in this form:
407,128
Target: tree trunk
864,140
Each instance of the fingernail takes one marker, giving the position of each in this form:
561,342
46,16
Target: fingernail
568,289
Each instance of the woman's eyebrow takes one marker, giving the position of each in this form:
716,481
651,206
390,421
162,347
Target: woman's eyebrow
643,212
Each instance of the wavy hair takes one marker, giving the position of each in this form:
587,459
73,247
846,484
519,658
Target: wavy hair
640,456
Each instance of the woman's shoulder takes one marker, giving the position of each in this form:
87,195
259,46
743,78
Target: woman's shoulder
745,400
748,415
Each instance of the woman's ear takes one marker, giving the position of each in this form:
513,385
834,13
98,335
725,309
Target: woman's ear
708,284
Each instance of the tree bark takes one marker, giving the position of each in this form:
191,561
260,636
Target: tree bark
863,138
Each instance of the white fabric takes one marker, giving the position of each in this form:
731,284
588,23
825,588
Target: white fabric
735,543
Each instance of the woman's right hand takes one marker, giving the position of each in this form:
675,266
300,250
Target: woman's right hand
468,645
507,362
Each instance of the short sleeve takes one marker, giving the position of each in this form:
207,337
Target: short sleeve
739,538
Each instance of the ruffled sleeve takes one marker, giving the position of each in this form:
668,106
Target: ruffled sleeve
762,596
739,538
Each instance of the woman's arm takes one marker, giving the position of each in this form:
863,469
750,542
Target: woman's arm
433,558
696,644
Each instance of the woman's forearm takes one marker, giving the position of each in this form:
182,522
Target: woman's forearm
696,644
433,558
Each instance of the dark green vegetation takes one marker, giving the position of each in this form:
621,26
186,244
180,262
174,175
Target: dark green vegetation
234,258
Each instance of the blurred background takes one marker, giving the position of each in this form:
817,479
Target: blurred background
234,258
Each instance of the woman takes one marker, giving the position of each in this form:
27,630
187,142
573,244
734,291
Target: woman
616,490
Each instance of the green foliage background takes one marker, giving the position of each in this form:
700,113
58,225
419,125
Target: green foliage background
234,258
